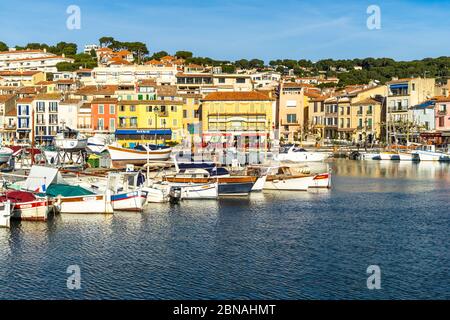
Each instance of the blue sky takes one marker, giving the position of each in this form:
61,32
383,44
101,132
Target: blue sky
233,29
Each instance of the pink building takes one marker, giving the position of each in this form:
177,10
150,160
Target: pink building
442,113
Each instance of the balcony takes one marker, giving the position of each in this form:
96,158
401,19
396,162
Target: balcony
398,109
442,112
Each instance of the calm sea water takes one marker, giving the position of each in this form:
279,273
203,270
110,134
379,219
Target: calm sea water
275,245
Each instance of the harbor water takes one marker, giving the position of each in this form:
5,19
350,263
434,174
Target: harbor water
272,245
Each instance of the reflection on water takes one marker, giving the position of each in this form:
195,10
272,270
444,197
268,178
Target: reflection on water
272,245
393,169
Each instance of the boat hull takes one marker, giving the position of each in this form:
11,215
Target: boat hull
228,186
299,183
71,144
31,211
85,204
158,194
120,157
432,156
131,201
235,189
198,191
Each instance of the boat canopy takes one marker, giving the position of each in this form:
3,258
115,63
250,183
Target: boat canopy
66,190
41,177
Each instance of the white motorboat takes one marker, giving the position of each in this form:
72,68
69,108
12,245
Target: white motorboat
282,178
70,140
429,153
195,190
99,142
157,192
292,153
5,214
139,155
127,192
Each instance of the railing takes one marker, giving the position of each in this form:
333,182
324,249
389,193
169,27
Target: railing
442,112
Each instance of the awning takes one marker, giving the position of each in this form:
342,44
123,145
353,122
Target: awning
143,132
426,104
399,86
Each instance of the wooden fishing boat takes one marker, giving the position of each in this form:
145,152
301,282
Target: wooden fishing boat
282,178
227,186
27,206
140,155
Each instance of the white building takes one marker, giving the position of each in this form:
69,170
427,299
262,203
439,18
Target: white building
265,80
13,54
115,75
89,47
44,64
46,120
68,113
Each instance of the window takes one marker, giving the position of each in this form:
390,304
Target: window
122,108
441,121
133,122
150,122
149,108
53,119
53,107
173,108
360,123
369,123
413,87
315,106
122,122
348,123
132,108
40,106
348,110
174,122
291,118
162,122
184,113
112,124
101,109
369,109
112,109
101,124
221,80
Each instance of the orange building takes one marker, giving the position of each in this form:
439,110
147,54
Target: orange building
104,115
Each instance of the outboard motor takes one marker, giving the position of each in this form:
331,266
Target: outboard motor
354,155
175,195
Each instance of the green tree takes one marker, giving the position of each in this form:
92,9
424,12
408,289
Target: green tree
183,54
106,41
158,55
3,46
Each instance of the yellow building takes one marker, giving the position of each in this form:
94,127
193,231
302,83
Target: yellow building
367,113
237,114
191,112
149,121
367,120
